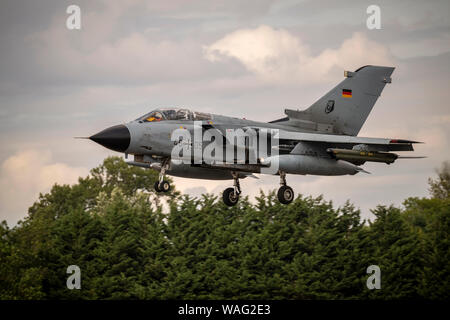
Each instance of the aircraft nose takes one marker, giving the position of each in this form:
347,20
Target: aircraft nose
116,138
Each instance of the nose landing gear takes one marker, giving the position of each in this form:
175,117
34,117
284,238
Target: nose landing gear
163,185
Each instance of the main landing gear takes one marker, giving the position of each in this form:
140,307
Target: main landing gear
231,195
285,193
163,185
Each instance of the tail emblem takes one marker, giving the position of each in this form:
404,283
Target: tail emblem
330,106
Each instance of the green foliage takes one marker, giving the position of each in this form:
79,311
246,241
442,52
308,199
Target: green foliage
440,187
112,225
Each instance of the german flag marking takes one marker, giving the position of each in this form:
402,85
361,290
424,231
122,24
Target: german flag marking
346,93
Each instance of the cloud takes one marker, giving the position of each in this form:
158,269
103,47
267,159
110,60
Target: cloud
104,52
431,46
24,175
131,59
278,56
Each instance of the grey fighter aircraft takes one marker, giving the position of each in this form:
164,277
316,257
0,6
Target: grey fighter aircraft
320,140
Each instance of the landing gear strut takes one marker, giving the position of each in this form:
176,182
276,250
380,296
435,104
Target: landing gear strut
231,195
285,193
163,185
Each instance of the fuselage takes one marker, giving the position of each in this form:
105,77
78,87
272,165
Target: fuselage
154,138
150,139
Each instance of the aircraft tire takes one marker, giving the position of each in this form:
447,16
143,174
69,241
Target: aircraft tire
285,194
164,186
157,189
230,198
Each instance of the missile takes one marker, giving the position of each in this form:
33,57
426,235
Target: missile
362,156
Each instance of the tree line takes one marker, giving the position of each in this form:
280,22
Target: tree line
115,228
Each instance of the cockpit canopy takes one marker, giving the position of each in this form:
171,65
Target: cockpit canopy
173,114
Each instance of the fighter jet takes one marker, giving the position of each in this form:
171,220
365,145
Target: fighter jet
320,140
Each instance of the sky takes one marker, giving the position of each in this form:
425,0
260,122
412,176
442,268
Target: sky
249,59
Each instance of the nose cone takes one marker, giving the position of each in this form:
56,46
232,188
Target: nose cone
116,138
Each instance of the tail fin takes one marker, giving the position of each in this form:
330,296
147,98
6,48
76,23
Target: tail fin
346,107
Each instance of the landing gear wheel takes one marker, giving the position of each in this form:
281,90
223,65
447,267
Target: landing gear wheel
285,194
164,186
230,197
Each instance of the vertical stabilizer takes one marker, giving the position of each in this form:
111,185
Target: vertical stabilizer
346,107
